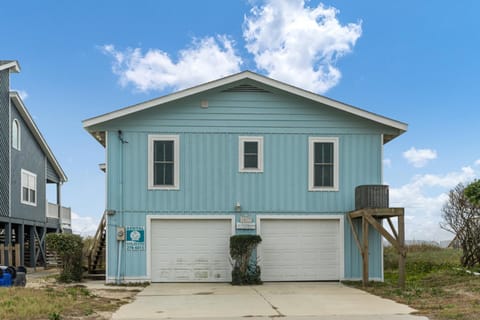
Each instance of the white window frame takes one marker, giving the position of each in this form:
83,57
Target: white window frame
30,175
241,143
176,161
16,143
311,155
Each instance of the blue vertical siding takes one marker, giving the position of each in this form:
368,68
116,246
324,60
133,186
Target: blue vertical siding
210,182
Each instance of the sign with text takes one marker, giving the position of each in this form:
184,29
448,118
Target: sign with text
135,240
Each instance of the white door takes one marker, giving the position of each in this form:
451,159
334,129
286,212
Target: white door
299,250
195,250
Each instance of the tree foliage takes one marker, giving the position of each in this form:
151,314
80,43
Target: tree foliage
472,192
69,248
462,218
245,271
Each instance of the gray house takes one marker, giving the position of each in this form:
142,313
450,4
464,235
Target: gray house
27,165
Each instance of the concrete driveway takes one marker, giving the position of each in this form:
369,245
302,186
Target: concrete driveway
271,300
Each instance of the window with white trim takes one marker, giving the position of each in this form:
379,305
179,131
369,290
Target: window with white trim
29,188
323,164
16,134
250,151
163,162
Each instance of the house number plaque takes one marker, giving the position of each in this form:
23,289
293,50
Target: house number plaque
246,223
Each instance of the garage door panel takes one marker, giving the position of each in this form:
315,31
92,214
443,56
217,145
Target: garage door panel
299,250
190,250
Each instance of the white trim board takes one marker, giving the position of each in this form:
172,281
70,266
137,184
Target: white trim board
241,153
176,161
402,127
341,231
311,159
151,217
11,65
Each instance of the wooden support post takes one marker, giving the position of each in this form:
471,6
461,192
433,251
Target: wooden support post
2,254
402,253
17,255
21,242
392,228
8,241
355,235
365,251
10,254
33,253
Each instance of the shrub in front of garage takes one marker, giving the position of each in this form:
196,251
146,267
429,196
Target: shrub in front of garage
245,269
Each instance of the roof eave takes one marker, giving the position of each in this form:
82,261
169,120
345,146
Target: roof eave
400,126
38,135
11,65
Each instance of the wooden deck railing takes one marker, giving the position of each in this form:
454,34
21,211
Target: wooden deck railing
95,253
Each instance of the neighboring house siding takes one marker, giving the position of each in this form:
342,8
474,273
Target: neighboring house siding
52,176
4,143
30,158
210,181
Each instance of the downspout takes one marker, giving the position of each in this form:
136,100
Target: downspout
120,242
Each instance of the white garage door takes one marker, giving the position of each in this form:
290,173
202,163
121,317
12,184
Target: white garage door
190,250
299,250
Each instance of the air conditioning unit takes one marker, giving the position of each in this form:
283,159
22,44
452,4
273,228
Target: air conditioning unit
371,196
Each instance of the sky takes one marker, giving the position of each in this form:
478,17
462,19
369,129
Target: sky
413,61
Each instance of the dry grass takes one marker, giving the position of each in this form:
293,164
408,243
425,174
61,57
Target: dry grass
56,302
436,285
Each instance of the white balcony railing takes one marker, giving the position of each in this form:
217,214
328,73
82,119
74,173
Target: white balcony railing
66,218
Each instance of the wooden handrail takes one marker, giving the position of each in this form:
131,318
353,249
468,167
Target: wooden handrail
97,239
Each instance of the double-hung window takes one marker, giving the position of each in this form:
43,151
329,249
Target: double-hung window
323,164
250,150
29,188
163,162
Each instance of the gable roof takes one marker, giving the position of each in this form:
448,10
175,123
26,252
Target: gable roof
15,98
12,65
400,126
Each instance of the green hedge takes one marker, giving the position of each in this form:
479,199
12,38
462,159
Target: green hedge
69,248
245,271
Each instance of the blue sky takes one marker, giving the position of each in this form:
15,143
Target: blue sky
414,61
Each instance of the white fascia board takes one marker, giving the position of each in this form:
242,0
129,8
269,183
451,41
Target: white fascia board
15,97
242,76
13,66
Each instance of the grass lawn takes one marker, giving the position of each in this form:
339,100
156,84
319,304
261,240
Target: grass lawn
436,285
54,303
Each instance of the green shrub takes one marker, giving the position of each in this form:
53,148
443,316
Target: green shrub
69,248
245,271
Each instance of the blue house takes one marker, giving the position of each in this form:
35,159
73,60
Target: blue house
244,154
27,165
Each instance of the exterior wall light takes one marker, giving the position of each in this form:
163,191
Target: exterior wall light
238,207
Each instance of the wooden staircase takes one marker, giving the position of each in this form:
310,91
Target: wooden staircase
96,252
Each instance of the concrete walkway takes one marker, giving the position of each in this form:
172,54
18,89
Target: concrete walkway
287,300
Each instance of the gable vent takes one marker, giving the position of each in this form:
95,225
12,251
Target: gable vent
246,88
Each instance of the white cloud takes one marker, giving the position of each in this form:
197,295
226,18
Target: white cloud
423,198
206,59
387,162
22,93
84,226
298,44
477,163
419,158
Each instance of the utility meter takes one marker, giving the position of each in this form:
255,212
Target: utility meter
120,233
